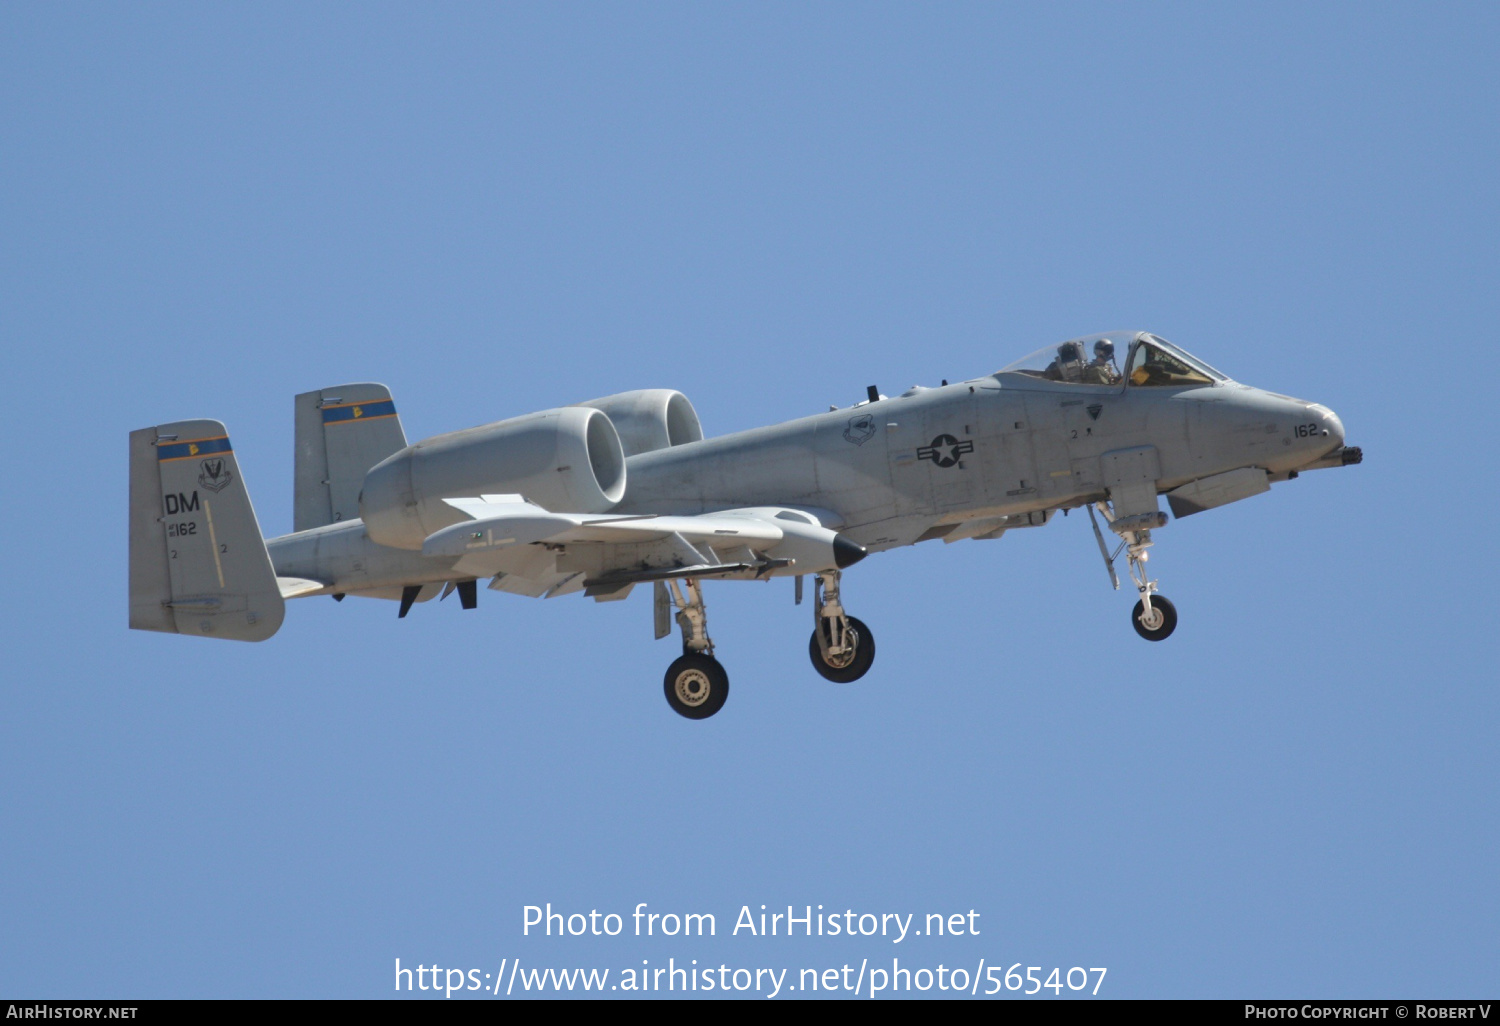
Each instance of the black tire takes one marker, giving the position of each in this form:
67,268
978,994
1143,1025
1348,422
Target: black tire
857,667
696,686
1168,619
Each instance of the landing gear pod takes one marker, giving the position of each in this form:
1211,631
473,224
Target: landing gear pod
568,459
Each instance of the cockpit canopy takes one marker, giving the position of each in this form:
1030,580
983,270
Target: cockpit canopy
1111,359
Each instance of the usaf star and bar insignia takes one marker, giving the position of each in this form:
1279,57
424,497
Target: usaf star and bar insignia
945,450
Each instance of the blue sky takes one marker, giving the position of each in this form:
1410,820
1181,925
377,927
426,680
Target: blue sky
496,209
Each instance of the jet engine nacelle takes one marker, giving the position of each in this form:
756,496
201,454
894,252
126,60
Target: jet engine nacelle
563,460
650,419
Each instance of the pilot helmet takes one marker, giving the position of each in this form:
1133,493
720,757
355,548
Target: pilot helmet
1104,349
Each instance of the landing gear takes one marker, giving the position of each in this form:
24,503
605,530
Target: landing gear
1154,617
853,662
1158,621
842,648
696,684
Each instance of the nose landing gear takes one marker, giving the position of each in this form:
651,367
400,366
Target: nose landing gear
1154,617
1157,622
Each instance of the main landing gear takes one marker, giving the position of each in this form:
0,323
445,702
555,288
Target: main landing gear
841,647
1154,617
696,685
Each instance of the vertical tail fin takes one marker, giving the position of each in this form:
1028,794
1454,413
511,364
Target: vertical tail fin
341,433
198,563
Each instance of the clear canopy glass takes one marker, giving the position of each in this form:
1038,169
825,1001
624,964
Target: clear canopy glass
1156,362
1097,361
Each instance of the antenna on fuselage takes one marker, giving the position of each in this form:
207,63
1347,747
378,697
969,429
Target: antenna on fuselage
873,393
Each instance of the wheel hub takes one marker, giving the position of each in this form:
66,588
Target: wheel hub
851,649
692,687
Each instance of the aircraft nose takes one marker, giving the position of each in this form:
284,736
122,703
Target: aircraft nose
1331,426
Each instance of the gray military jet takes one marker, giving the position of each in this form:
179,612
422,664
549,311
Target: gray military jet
611,493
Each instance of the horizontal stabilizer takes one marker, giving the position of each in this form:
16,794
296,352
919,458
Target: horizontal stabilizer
294,587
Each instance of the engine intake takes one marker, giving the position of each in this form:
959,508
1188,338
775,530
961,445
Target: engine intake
650,419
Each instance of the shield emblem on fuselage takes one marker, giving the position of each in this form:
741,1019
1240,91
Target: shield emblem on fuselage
860,429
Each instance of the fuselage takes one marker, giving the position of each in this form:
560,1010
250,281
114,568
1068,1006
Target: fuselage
993,447
925,464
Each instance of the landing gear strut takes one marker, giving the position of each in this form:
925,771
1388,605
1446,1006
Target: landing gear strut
842,648
1154,617
696,685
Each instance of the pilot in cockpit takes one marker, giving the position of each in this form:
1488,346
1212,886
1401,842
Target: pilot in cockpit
1102,370
1069,364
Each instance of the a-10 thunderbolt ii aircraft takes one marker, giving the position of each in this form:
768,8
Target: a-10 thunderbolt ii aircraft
608,494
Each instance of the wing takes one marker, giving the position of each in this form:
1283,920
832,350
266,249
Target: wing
529,550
